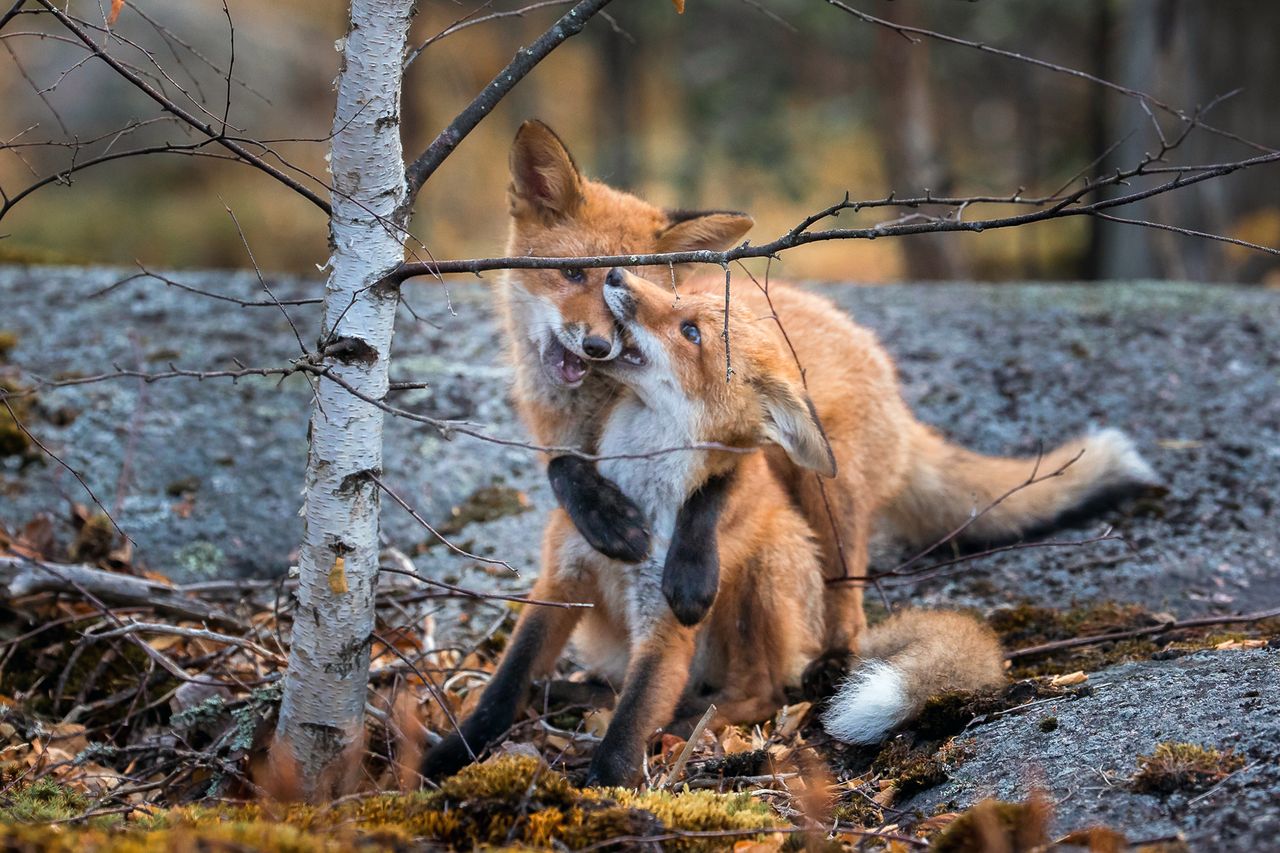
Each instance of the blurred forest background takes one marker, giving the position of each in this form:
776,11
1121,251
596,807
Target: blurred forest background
776,107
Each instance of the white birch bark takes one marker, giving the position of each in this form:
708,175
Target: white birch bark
325,686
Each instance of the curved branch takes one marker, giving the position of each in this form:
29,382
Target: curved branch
526,58
170,107
799,237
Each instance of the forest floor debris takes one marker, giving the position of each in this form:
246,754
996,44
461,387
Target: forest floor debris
134,718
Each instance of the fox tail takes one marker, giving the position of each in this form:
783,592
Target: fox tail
997,500
911,656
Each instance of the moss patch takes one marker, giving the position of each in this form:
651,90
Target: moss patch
1183,767
488,503
514,802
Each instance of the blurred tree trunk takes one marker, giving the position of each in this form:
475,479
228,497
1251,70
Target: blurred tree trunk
617,160
322,713
1123,251
913,160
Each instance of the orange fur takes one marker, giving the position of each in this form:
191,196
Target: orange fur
848,460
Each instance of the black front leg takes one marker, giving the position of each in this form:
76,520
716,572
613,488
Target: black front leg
691,575
502,698
605,517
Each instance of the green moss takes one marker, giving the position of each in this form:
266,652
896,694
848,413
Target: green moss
910,770
8,341
1031,625
13,440
1183,767
484,504
40,802
858,811
511,801
1048,724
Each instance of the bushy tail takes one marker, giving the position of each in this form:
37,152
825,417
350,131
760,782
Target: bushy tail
911,656
949,486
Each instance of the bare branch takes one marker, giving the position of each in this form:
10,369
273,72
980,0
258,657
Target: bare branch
1173,625
20,576
170,107
526,58
908,32
1064,207
469,20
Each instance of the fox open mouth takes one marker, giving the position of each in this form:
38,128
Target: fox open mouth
631,355
562,366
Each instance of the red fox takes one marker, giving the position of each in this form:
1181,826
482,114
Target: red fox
557,325
776,535
768,618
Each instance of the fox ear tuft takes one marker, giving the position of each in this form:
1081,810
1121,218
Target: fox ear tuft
545,182
710,230
791,422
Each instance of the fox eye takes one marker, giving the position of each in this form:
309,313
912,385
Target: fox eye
691,333
575,276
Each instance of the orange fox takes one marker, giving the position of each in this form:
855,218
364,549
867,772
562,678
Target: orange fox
764,518
558,327
557,324
766,621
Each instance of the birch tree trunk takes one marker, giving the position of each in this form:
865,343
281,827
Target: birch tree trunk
322,712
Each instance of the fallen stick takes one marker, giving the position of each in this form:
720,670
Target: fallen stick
20,576
1173,625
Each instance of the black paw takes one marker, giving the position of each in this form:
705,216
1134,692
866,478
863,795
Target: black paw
446,758
691,575
690,580
605,517
611,769
824,674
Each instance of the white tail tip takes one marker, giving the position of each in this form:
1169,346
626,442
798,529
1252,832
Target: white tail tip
868,705
1126,462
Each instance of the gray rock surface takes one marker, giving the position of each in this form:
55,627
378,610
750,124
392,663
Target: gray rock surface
1191,371
1225,700
205,477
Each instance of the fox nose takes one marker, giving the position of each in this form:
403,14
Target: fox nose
596,347
615,278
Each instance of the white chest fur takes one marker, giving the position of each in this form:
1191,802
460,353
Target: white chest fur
657,482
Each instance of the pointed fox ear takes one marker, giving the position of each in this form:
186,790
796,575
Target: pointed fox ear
545,182
791,422
695,230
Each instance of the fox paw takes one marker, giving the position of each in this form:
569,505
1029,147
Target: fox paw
824,674
605,517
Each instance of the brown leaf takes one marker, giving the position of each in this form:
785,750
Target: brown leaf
679,4
790,718
116,7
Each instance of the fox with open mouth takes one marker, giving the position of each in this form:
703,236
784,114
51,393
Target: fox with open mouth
745,554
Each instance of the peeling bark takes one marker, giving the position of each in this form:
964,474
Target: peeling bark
322,713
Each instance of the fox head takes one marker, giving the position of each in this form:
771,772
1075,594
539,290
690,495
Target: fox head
557,212
725,371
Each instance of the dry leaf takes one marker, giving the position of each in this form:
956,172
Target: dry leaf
790,718
597,722
732,742
928,826
769,845
116,7
1071,679
884,799
679,4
